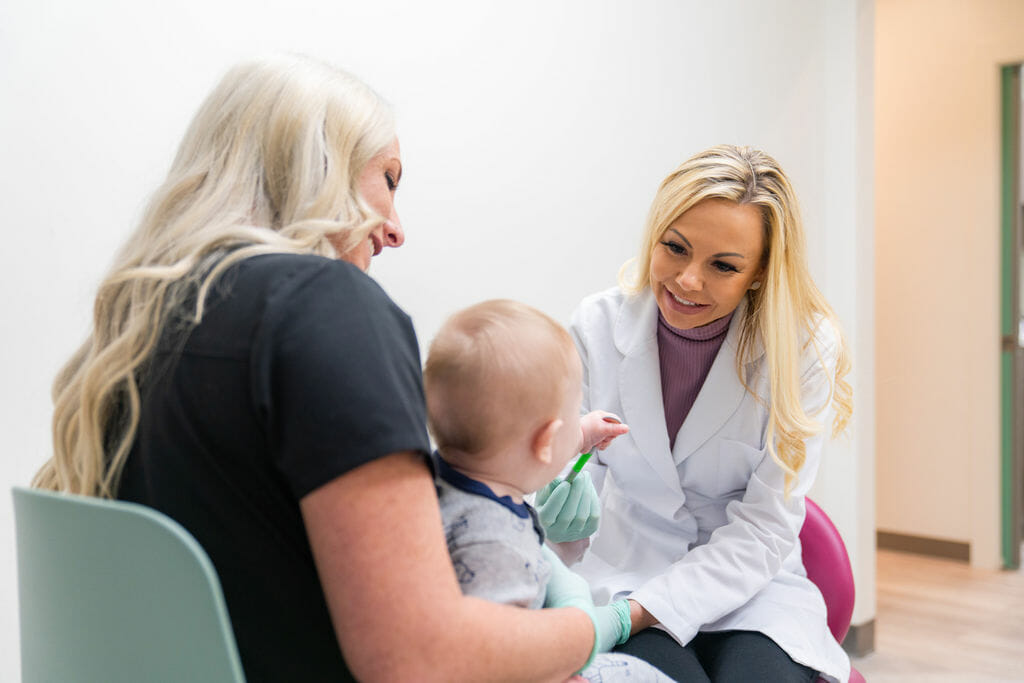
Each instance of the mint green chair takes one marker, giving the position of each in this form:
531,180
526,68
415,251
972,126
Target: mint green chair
115,592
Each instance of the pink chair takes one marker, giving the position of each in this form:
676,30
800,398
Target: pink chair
828,566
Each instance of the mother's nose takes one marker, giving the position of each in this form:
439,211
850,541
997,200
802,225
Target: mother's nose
394,235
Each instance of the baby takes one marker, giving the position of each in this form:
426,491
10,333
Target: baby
503,387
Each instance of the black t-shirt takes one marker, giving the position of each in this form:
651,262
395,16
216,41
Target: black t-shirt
301,369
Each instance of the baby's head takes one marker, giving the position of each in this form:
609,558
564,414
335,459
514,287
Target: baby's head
502,379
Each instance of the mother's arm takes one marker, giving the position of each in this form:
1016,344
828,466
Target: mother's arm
396,605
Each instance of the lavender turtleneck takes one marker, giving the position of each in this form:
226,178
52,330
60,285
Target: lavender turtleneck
686,357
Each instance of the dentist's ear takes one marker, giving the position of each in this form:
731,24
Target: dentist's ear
542,440
758,279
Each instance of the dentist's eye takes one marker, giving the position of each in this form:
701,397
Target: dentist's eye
674,247
724,267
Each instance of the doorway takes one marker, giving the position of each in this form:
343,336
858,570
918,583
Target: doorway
1012,316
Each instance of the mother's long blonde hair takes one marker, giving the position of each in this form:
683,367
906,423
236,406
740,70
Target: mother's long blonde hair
269,164
787,307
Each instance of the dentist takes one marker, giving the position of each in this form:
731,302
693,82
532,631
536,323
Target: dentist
728,365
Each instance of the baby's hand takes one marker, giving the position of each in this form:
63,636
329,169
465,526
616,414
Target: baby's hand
598,429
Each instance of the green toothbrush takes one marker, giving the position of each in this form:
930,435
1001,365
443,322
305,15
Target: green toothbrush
578,467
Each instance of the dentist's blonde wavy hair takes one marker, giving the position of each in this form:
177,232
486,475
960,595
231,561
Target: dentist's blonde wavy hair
786,308
270,163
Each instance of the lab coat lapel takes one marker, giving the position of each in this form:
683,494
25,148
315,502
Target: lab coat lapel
718,399
640,385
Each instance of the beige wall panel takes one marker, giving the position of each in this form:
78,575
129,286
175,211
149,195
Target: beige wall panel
937,265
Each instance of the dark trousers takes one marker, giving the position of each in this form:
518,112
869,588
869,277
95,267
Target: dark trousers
721,657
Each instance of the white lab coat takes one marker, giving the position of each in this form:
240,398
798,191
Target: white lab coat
701,535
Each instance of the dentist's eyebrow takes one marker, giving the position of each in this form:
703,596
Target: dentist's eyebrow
690,246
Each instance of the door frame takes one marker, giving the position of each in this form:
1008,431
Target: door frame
1011,355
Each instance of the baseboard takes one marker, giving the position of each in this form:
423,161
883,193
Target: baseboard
860,640
920,545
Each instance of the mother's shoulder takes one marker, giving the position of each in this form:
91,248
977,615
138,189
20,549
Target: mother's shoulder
296,282
293,263
306,268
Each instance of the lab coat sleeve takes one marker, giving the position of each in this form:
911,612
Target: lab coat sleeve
742,556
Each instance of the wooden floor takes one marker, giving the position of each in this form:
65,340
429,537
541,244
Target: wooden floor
941,620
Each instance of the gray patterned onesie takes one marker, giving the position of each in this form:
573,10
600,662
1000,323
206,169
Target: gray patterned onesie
495,546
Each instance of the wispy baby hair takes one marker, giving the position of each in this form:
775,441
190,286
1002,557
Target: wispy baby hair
491,369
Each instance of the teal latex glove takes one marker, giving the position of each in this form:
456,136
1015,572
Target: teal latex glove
566,588
569,512
613,625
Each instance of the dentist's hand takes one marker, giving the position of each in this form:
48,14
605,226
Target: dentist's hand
569,512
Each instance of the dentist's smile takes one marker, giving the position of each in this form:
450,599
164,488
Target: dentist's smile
684,306
685,302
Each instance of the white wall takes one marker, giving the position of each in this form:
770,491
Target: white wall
846,487
533,136
938,269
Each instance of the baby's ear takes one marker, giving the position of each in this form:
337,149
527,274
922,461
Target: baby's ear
543,438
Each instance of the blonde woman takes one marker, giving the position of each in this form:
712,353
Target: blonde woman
728,365
246,377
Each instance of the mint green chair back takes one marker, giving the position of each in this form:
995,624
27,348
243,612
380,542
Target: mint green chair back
115,592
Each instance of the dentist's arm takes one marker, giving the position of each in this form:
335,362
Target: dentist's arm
639,617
